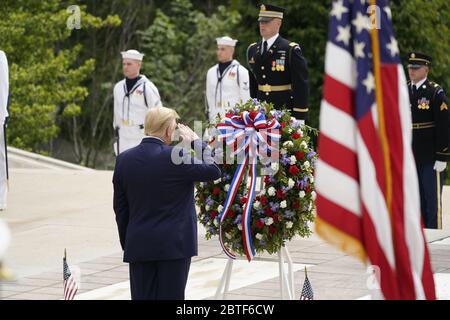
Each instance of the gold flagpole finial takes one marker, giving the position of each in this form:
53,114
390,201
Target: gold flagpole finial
306,272
65,253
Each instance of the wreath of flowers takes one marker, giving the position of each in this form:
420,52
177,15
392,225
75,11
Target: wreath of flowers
283,207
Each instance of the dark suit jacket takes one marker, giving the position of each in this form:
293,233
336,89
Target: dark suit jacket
154,200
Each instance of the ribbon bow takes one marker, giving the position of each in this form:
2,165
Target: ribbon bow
251,137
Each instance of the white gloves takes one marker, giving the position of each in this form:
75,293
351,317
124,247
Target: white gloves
440,166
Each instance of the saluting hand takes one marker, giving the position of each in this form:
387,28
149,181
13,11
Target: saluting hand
186,133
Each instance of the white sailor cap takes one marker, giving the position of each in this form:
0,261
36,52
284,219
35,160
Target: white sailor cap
226,41
132,54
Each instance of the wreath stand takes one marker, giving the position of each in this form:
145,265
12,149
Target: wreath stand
286,276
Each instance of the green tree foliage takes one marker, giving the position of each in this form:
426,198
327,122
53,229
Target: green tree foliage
45,77
180,48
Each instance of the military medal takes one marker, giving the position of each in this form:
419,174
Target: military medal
274,65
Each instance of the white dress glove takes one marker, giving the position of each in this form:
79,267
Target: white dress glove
440,166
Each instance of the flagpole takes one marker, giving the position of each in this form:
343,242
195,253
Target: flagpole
380,109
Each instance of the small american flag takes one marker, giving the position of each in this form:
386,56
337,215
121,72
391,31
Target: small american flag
70,283
307,291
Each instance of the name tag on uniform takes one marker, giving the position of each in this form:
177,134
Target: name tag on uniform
232,75
138,92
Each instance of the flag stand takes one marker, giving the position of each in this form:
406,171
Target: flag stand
286,277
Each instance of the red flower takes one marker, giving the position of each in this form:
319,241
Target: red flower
308,189
214,214
280,194
216,191
266,179
294,170
230,214
243,200
299,155
263,200
276,218
283,124
268,212
295,205
272,230
259,224
296,136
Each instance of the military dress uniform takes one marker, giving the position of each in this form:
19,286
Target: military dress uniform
226,87
131,105
279,73
429,108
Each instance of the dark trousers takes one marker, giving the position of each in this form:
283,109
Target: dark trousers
430,184
159,280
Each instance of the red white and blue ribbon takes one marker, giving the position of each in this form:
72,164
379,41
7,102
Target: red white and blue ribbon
251,136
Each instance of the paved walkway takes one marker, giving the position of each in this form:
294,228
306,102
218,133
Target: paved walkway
53,209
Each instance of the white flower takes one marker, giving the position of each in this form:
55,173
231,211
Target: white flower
283,204
311,179
216,222
269,221
240,226
218,181
289,144
300,131
304,144
256,205
207,208
275,166
259,236
219,208
306,164
263,191
228,235
291,183
289,225
226,188
302,194
314,195
289,131
293,160
271,191
283,151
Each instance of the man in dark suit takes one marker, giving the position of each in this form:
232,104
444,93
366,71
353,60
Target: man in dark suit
154,206
429,108
278,69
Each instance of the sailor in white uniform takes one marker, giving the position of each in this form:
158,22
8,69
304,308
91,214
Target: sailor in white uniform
133,96
4,92
227,83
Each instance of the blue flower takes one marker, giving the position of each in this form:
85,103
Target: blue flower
285,160
274,206
260,212
255,101
295,124
209,201
262,243
238,219
288,214
310,154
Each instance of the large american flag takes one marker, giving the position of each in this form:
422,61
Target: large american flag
70,283
368,195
